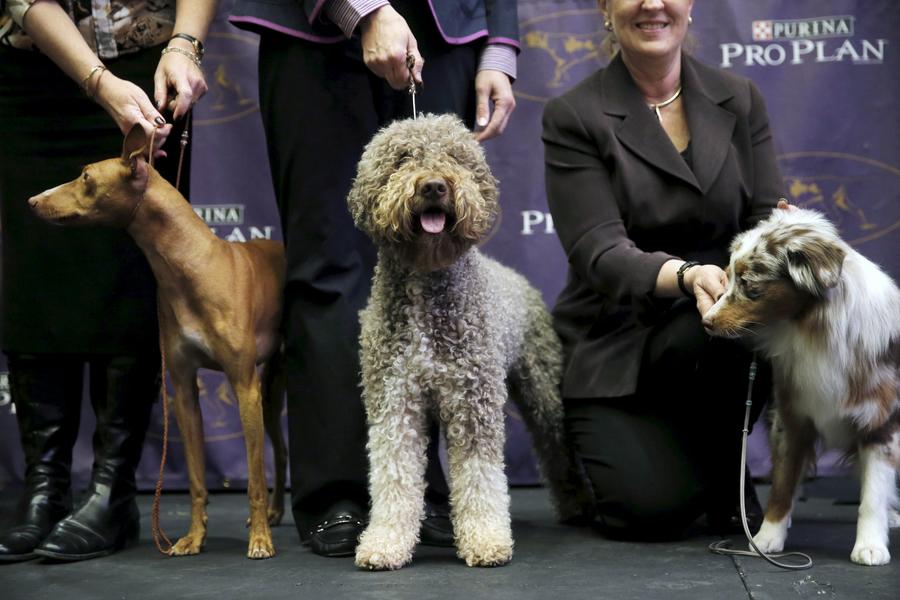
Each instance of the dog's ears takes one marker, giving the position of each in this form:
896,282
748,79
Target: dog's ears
136,151
135,143
815,266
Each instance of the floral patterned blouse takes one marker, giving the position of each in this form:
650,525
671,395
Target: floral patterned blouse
110,27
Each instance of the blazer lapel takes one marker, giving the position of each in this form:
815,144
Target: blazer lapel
712,126
639,129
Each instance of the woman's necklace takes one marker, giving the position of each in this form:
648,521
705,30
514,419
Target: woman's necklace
665,103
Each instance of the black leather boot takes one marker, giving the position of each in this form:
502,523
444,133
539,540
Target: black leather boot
107,518
46,392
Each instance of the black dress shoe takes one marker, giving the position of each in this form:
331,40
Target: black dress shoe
726,518
337,535
436,529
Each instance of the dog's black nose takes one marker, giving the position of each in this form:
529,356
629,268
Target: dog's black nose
433,189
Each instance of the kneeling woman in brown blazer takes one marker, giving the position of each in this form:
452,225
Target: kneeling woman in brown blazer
653,164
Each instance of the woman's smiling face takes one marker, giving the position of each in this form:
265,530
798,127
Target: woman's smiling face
648,28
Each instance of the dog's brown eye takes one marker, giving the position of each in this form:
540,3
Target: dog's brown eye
752,289
85,177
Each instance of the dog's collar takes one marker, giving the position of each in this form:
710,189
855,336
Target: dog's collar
137,205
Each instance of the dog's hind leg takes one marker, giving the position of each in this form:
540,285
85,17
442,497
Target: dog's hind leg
397,459
479,496
792,442
534,387
245,381
878,495
190,424
273,386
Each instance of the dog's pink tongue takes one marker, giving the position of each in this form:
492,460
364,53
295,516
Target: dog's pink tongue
433,222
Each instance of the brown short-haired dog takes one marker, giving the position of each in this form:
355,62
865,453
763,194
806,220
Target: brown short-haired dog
829,319
219,308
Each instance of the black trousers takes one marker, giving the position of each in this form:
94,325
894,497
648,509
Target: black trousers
660,458
320,105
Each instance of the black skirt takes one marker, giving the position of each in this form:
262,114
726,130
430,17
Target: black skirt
67,290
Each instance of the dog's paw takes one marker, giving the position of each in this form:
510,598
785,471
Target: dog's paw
870,554
486,549
187,546
487,555
380,552
260,546
771,537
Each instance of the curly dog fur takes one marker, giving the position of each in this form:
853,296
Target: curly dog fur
449,332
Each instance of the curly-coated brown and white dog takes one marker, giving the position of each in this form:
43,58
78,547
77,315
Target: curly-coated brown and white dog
829,319
445,332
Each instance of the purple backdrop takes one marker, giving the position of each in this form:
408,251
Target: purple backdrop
824,67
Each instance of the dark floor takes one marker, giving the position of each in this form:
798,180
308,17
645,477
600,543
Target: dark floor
551,561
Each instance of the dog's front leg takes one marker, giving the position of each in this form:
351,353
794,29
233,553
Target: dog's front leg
190,423
397,460
877,495
246,384
792,443
479,496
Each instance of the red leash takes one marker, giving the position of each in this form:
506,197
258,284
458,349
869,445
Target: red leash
158,533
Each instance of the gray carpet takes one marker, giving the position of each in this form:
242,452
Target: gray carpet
550,561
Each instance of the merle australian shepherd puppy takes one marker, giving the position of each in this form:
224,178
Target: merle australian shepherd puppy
829,320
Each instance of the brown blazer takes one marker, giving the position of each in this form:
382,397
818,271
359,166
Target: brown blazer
624,202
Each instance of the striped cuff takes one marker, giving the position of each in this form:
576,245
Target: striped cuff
499,57
347,14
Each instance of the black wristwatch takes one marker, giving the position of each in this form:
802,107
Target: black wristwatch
681,271
197,44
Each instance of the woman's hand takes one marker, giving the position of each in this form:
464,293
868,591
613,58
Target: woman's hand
492,87
707,282
386,42
178,82
128,105
783,205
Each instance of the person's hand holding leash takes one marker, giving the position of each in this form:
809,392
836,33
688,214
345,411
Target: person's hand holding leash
128,105
178,72
386,41
492,87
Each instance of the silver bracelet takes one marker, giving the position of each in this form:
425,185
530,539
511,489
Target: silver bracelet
194,58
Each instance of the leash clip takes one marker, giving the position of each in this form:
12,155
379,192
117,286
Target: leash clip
411,89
